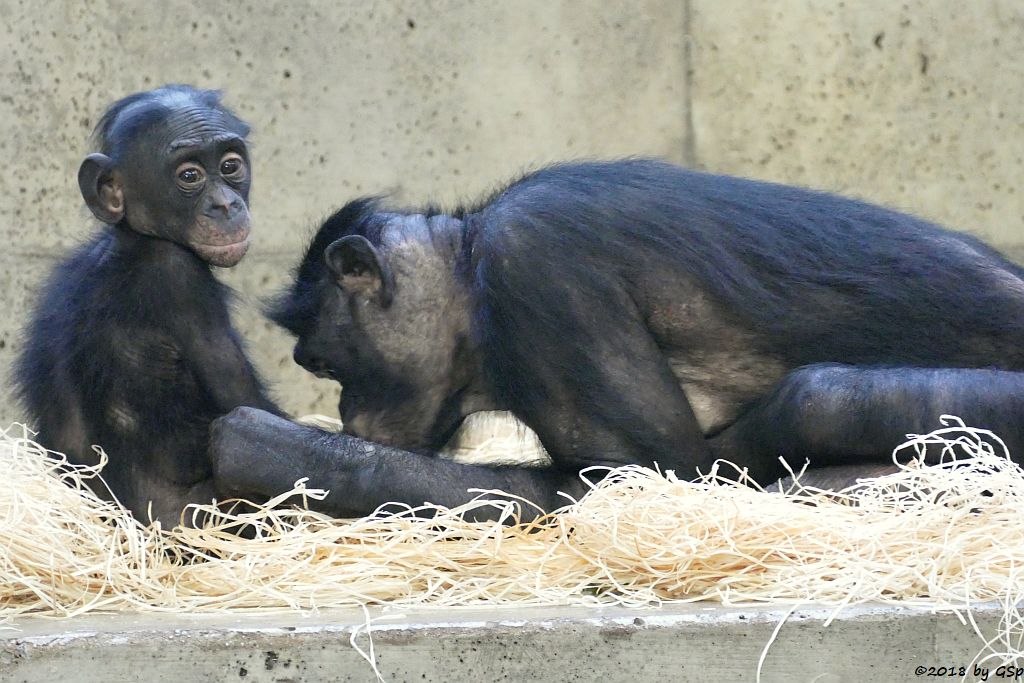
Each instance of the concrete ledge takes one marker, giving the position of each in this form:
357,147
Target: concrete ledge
688,643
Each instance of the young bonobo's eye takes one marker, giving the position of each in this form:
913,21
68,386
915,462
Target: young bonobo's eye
190,176
232,166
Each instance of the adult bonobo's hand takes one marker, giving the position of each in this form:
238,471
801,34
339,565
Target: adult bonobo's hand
256,453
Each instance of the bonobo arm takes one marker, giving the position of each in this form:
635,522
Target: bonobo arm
256,453
216,357
196,315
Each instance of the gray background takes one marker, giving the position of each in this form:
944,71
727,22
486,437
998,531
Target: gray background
915,104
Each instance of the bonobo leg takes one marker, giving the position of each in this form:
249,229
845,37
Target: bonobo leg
834,477
149,496
256,453
843,415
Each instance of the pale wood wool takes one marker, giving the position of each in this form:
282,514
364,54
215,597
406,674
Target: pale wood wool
943,536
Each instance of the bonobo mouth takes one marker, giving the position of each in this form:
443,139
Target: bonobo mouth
323,373
319,371
222,255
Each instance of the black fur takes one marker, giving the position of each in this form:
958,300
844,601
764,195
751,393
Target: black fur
296,309
634,311
131,346
820,277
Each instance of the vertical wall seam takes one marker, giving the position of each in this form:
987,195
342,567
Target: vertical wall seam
689,136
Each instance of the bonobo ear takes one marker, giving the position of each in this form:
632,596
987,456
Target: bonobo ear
102,192
359,268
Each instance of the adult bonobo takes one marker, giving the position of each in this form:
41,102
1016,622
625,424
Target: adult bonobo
131,346
634,312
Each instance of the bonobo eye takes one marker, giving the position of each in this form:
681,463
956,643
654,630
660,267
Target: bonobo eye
232,165
190,175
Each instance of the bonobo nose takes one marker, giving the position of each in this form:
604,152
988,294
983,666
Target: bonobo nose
223,207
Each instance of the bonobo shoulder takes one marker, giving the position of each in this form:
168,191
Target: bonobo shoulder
167,281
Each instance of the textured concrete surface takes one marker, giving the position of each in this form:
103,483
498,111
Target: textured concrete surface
681,644
423,100
913,104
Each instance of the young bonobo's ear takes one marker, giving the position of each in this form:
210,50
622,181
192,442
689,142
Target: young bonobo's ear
359,268
102,192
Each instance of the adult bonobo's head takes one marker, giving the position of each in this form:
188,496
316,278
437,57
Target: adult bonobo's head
173,164
377,305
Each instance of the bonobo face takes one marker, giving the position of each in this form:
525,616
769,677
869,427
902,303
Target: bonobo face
180,171
385,317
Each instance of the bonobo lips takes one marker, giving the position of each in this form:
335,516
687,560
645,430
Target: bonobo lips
223,255
324,373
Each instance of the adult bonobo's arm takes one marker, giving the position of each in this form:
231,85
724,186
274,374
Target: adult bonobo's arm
258,454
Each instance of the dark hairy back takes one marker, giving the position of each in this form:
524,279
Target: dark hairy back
823,275
102,325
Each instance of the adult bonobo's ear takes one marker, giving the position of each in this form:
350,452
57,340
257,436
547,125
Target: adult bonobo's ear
102,192
359,268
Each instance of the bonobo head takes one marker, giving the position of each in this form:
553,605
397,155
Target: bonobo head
376,305
173,164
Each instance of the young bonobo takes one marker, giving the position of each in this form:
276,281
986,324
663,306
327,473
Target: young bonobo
131,346
634,312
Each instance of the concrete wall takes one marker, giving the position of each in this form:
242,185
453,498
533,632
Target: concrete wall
911,104
421,99
678,643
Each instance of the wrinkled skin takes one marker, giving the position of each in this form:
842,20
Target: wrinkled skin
633,312
131,345
407,366
186,181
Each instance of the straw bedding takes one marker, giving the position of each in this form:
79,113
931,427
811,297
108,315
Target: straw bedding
942,536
